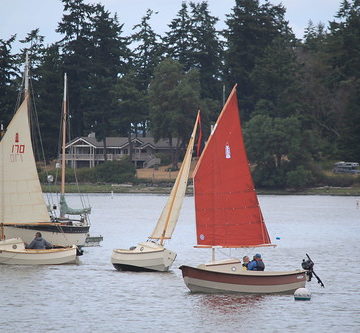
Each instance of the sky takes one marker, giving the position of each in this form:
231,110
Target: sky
21,16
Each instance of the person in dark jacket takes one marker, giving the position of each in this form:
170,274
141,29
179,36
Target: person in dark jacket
256,264
39,243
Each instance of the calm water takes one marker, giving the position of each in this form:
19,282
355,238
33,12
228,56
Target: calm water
93,297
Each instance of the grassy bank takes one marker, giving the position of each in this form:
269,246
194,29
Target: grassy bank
165,188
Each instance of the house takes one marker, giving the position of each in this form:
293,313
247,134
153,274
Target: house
89,152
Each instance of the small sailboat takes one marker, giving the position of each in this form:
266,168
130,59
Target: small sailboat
228,215
151,255
13,252
23,210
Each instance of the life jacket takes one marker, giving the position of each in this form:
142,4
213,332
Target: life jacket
260,266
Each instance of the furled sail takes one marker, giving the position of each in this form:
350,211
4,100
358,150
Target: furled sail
170,214
227,209
65,209
21,196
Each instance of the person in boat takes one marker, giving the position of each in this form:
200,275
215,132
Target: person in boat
256,264
39,243
245,263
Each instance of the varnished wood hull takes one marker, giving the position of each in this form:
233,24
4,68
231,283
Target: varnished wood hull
247,282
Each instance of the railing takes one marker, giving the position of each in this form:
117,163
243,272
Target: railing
110,157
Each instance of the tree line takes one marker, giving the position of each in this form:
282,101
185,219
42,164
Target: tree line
299,99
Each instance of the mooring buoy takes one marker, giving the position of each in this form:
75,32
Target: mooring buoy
302,294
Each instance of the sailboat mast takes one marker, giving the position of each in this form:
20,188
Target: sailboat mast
26,76
62,189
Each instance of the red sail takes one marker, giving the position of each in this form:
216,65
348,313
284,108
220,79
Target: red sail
227,209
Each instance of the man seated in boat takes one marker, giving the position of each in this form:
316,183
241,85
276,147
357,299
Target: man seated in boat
256,264
39,243
245,263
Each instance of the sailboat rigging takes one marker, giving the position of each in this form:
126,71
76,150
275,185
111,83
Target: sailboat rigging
152,255
228,215
23,209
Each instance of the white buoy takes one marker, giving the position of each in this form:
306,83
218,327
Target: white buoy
302,294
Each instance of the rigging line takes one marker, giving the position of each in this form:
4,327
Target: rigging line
75,173
41,154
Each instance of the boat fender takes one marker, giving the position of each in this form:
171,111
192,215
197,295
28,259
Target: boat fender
302,294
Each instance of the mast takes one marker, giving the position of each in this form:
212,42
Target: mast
169,216
26,75
62,188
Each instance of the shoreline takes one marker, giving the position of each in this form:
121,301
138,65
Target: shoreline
165,189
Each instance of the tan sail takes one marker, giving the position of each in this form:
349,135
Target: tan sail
21,196
170,214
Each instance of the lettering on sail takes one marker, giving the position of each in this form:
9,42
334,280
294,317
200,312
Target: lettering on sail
17,150
227,151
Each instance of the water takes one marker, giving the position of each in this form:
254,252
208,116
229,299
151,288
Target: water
94,297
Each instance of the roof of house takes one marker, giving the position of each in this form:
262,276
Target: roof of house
120,142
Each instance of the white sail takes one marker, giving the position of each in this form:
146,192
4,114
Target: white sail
21,198
170,214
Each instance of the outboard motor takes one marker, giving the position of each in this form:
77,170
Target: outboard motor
308,265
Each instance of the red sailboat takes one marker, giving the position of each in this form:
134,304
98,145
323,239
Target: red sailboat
228,215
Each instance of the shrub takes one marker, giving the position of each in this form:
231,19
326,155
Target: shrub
115,172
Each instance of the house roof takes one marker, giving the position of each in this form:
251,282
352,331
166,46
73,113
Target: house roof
120,142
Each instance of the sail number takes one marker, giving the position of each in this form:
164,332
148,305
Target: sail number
18,149
17,152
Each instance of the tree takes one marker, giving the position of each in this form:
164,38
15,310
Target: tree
109,55
275,146
275,80
251,29
206,50
76,26
8,71
174,101
146,56
178,41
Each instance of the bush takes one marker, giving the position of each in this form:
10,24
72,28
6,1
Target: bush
165,159
299,178
115,172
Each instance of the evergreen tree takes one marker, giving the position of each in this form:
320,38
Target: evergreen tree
343,50
76,26
146,56
109,57
178,41
251,29
276,82
174,101
206,50
8,71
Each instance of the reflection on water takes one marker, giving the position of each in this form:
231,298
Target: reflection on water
93,297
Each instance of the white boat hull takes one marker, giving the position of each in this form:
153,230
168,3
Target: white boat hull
230,278
13,252
55,234
147,256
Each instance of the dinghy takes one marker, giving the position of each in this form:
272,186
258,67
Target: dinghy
13,252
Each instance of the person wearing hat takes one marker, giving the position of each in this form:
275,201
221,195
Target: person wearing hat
256,264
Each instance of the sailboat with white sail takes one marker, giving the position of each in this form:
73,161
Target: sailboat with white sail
23,210
228,215
152,255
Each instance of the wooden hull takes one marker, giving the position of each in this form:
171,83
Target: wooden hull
56,233
248,282
13,252
147,256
